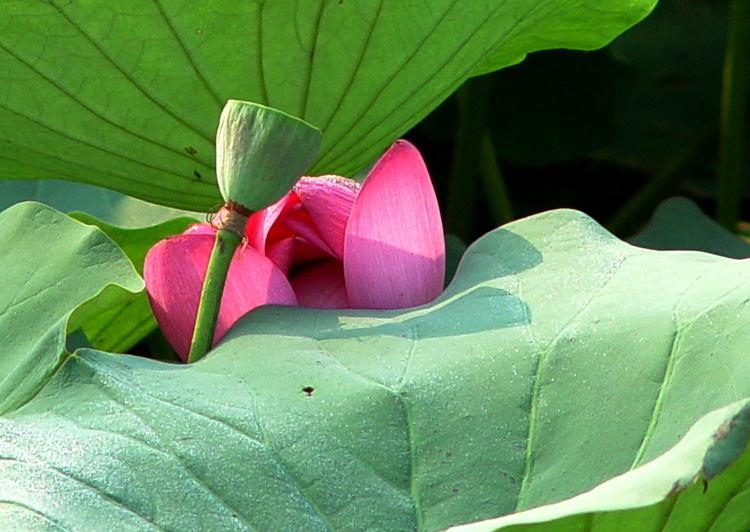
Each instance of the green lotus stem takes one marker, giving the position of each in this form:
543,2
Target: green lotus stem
496,192
640,206
735,87
225,243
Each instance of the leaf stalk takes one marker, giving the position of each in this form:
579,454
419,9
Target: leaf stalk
473,102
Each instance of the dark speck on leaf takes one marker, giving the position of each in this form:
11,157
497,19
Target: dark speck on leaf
199,31
190,150
308,390
197,175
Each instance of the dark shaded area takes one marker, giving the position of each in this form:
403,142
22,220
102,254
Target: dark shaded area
593,130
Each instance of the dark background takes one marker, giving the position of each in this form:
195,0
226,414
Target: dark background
610,132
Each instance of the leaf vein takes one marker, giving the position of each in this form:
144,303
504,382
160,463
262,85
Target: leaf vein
352,154
129,77
659,401
353,76
190,58
311,64
537,386
261,71
291,479
96,490
47,518
91,110
87,144
76,178
107,390
392,391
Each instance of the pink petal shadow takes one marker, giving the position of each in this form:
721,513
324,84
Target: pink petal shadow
329,200
281,253
293,250
321,285
394,252
260,223
300,224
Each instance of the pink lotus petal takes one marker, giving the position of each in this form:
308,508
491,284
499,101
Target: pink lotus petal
292,251
304,251
329,201
174,270
321,285
302,226
260,223
253,280
200,229
281,253
394,253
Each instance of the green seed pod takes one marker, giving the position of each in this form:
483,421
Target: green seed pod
261,153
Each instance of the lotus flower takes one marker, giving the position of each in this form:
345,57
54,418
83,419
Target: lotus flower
329,243
174,270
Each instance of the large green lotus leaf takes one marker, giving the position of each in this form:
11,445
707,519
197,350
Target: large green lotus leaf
57,274
663,495
126,94
558,359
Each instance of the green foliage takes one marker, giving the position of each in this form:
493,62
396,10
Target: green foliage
126,94
110,207
122,326
677,58
671,493
132,224
58,274
565,380
678,223
558,358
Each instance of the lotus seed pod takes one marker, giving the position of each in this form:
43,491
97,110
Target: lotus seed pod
261,153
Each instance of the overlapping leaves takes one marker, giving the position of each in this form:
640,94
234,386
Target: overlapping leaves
558,359
58,274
